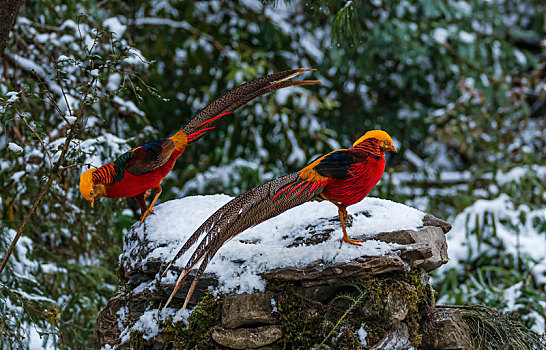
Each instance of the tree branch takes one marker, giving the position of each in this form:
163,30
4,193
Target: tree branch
54,172
8,14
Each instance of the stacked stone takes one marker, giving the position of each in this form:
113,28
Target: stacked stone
250,321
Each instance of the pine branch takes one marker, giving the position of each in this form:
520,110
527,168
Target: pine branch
354,303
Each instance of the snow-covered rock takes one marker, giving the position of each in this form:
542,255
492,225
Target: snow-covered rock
301,246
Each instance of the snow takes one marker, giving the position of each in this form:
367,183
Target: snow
114,25
13,96
273,238
440,35
511,294
463,6
466,37
148,323
414,159
29,65
507,219
17,175
362,334
114,81
36,341
522,60
15,147
273,305
513,174
127,106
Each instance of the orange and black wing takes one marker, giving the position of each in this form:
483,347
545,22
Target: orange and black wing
337,164
149,156
241,213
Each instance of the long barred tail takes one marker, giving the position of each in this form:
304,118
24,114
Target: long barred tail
212,114
241,213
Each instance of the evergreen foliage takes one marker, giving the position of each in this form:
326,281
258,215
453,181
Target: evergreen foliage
459,84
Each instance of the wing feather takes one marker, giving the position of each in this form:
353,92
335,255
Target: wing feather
150,156
336,164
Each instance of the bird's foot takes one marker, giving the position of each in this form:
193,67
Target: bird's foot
351,241
148,212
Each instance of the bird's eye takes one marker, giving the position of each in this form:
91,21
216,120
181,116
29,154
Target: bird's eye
92,192
386,143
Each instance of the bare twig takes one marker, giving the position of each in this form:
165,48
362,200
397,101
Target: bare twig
27,220
62,90
51,99
61,335
37,136
63,168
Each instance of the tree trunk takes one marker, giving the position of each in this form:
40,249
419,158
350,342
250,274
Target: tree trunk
8,13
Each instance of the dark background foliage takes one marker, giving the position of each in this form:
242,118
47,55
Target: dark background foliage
458,84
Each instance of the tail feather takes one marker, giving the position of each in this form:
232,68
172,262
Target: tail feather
198,275
212,114
241,213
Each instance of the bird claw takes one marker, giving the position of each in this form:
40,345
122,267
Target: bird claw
148,212
351,241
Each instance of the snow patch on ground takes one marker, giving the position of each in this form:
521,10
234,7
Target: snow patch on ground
529,243
176,220
362,334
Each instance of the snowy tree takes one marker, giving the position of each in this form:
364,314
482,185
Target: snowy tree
460,84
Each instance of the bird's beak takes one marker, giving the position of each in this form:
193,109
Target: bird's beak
92,201
393,149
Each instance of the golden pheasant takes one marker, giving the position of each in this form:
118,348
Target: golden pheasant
343,177
136,172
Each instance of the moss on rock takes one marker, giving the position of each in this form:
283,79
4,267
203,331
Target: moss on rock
195,335
375,304
307,323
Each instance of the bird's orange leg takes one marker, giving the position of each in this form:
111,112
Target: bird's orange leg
141,199
343,217
150,208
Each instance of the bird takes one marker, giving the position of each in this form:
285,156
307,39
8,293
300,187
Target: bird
343,177
141,169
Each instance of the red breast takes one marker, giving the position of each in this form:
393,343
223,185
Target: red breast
355,188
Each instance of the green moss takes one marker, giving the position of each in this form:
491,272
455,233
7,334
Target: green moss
197,334
405,288
335,326
300,321
120,273
307,323
136,342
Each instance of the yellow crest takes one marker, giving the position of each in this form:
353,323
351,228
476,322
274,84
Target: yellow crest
374,134
86,184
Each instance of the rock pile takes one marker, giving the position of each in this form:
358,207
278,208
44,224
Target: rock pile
372,301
